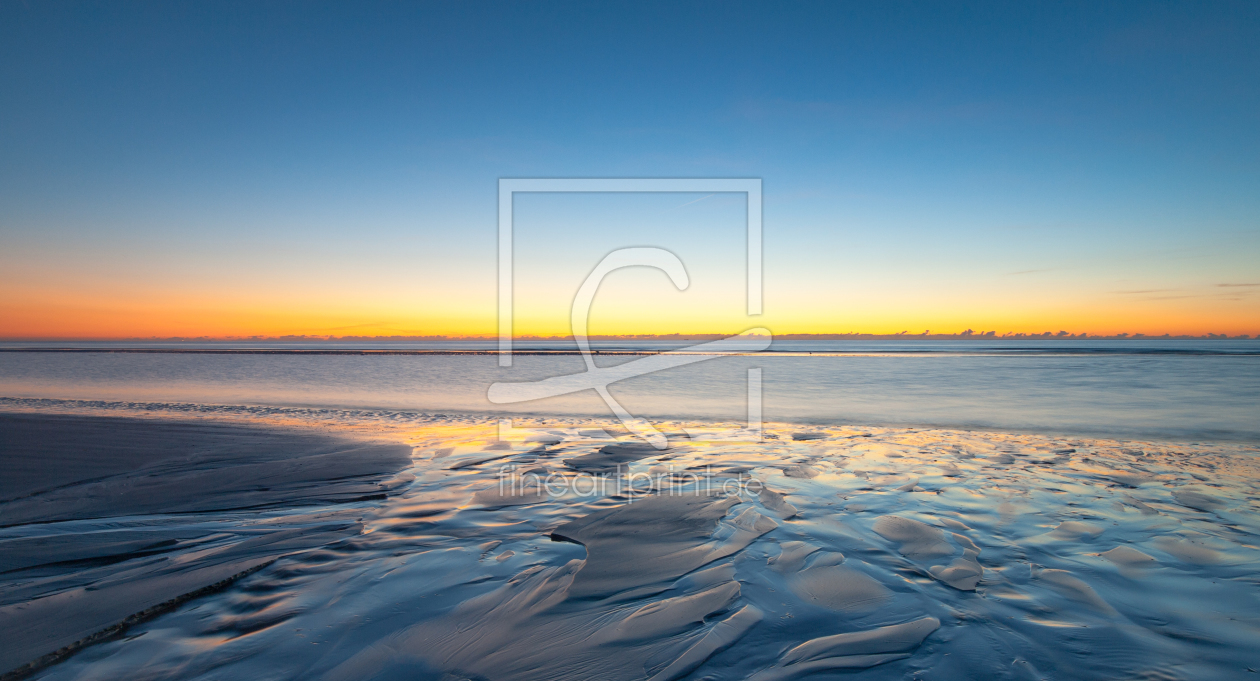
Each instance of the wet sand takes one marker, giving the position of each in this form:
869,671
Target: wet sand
70,577
868,552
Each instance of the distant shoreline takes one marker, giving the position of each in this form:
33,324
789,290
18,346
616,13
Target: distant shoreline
983,337
894,352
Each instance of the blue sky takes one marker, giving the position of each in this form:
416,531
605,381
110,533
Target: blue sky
1100,160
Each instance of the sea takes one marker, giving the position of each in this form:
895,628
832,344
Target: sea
1181,389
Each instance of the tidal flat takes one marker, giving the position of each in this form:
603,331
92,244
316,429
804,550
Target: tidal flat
389,545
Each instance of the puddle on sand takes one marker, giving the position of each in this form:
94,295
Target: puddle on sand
880,552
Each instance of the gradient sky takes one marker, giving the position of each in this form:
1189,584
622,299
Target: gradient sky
236,169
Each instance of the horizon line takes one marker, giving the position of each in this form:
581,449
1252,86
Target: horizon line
856,336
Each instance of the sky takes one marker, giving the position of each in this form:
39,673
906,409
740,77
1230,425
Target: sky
262,169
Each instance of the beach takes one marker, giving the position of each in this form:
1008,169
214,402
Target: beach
106,520
445,544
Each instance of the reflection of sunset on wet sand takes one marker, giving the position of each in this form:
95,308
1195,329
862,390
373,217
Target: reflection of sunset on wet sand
916,549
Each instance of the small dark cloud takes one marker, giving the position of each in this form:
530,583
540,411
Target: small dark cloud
1237,285
1153,290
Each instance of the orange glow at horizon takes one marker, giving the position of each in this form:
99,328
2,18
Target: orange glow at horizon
104,319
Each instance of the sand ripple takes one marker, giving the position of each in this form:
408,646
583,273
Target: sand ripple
885,552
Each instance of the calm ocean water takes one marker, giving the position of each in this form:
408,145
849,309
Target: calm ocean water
1180,389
